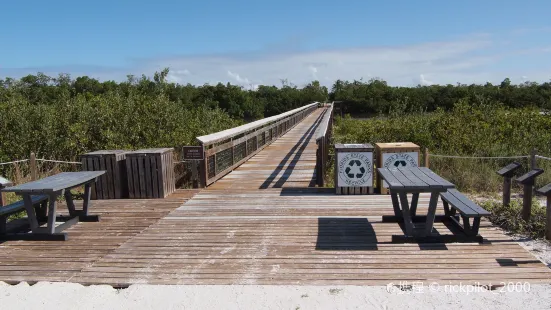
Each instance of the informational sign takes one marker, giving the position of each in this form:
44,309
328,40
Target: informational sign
400,160
193,153
355,169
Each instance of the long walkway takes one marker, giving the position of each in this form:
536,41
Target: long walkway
264,224
290,161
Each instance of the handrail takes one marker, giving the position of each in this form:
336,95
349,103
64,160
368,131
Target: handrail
228,133
323,141
228,149
324,125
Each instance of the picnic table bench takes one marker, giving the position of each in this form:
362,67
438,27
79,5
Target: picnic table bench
467,209
416,180
50,189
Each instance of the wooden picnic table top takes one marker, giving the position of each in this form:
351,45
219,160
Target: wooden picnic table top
56,182
415,179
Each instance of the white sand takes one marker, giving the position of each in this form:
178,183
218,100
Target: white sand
59,296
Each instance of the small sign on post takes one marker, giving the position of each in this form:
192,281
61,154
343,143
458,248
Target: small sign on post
195,155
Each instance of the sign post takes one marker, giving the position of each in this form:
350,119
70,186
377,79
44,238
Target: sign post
195,155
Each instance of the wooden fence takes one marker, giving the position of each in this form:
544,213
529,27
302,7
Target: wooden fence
226,150
323,140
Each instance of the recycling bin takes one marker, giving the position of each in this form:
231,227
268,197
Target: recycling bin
354,169
395,155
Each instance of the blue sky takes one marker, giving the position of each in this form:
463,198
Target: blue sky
261,42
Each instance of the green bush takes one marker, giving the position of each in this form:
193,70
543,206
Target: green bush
509,217
467,130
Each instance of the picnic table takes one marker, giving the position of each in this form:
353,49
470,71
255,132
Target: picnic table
53,187
415,180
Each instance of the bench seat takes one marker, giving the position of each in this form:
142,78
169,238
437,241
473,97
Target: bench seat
15,207
454,201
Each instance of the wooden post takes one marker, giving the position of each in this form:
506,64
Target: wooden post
194,172
2,197
527,202
548,219
506,191
3,184
203,169
528,180
533,163
426,157
528,189
33,167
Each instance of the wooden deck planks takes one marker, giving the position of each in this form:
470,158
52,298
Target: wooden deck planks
121,220
279,236
263,224
287,162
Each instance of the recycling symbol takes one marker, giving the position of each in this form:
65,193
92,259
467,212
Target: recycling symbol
399,163
354,169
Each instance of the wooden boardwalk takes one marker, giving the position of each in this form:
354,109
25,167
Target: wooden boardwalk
262,224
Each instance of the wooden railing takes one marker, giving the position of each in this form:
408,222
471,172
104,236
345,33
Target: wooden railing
226,150
323,140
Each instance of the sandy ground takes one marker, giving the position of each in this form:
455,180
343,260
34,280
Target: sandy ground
59,296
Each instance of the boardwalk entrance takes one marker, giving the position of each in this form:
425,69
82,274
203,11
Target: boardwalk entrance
263,223
289,161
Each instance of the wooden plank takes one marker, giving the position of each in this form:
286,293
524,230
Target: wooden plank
141,176
103,180
130,177
148,177
154,177
136,176
234,232
160,177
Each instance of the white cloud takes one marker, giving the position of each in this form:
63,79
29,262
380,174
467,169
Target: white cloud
314,72
238,79
177,76
470,59
423,81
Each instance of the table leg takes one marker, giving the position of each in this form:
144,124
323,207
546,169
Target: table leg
408,223
31,215
70,202
86,201
431,213
52,209
414,201
396,205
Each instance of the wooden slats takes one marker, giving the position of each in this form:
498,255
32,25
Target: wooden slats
264,223
150,173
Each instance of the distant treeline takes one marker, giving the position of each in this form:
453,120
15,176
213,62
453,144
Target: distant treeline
375,96
61,117
238,102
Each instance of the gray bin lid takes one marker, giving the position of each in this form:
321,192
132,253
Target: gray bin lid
357,147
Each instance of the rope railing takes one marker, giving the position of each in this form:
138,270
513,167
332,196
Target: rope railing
42,160
543,157
14,162
59,161
479,157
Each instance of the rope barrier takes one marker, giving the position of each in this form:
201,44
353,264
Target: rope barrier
474,157
14,162
60,161
543,157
